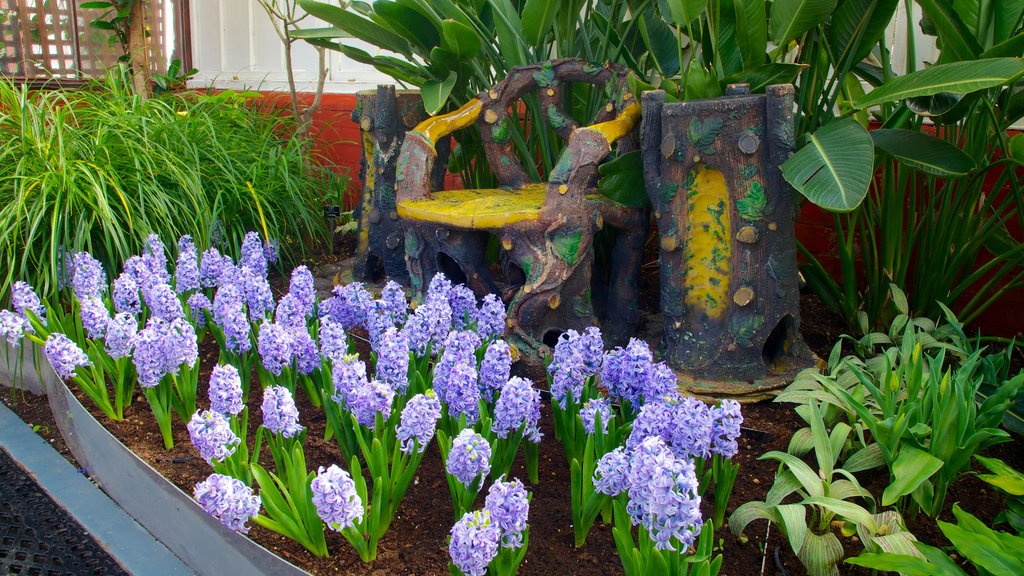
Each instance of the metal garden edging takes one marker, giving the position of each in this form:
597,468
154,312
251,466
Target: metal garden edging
24,367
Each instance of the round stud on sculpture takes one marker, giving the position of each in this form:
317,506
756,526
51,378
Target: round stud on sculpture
490,116
366,124
743,296
668,146
747,235
506,243
773,226
551,91
749,143
554,301
393,215
668,243
392,242
493,94
562,189
609,107
374,216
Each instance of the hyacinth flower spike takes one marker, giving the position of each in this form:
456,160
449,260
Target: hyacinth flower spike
467,463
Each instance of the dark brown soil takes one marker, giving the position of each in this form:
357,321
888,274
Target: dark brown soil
416,541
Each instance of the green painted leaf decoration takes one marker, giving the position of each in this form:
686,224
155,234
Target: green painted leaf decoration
702,134
751,206
545,76
567,245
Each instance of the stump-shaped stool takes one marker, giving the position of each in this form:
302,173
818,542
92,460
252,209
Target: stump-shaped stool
729,283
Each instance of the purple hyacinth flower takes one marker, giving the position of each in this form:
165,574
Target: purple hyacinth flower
258,295
280,415
126,294
691,427
419,422
275,347
394,298
393,360
495,368
463,304
663,496
304,352
211,267
611,476
491,318
590,410
89,279
725,431
198,303
333,339
348,373
253,256
349,305
301,286
148,355
13,327
438,289
469,459
509,506
582,351
474,543
459,348
569,372
155,259
120,336
226,390
181,347
367,400
64,355
163,302
186,271
24,299
335,497
463,393
136,269
95,316
271,250
518,407
229,314
211,434
663,383
228,500
378,321
290,312
417,332
627,372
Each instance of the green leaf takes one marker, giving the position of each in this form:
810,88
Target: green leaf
662,43
538,15
983,550
750,511
926,153
794,524
619,179
1004,477
317,33
904,564
760,77
820,553
911,468
958,43
752,33
412,25
359,27
958,78
845,510
856,27
866,458
834,168
459,39
95,5
809,480
1016,148
682,12
791,18
435,94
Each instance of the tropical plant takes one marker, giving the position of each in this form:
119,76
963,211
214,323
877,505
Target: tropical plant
1011,483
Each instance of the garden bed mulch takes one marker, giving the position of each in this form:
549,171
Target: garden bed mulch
416,541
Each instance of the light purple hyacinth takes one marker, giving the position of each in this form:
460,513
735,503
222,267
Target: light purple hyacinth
290,312
301,287
186,270
463,304
419,422
725,431
518,407
397,305
393,360
333,339
438,289
211,267
611,476
627,372
275,347
181,346
590,410
490,318
126,294
474,543
226,390
336,499
682,422
229,314
163,302
95,316
155,259
161,348
495,368
253,256
348,373
64,355
378,321
258,295
663,495
271,250
24,298
568,371
120,337
136,269
280,415
304,352
463,392
228,500
663,382
198,303
13,327
89,279
581,351
509,506
348,306
417,332
367,400
211,434
469,459
459,348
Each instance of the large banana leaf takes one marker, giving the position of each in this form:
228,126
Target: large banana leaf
357,26
752,39
958,43
791,18
926,153
957,77
856,28
538,16
834,168
409,23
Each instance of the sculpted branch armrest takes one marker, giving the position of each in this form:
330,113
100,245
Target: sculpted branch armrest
416,160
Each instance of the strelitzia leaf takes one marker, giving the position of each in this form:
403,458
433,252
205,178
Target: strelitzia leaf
834,168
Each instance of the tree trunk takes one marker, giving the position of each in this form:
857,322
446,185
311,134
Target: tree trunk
138,49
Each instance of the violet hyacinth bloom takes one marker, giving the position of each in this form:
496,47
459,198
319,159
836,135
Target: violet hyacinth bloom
229,314
186,271
570,375
470,458
270,250
161,348
378,321
198,303
367,400
491,318
417,332
301,286
290,312
627,372
211,267
725,431
226,390
591,347
509,507
64,355
126,294
163,302
137,269
611,475
304,352
663,383
474,542
228,500
120,336
393,360
13,327
95,316
463,304
348,373
459,347
253,256
419,421
335,497
211,434
495,368
394,297
682,422
333,340
280,415
348,305
518,407
463,393
89,278
590,410
663,496
258,295
438,289
275,347
155,259
24,299
181,347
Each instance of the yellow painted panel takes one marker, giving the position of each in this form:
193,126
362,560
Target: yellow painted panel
708,243
477,208
435,127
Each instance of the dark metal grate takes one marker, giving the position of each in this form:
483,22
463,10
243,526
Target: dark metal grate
37,537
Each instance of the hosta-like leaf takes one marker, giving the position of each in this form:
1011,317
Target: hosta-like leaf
845,510
749,512
808,479
784,485
821,553
801,442
906,565
957,77
911,468
926,153
794,523
834,168
866,458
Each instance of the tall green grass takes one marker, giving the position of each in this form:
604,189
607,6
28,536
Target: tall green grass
98,169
